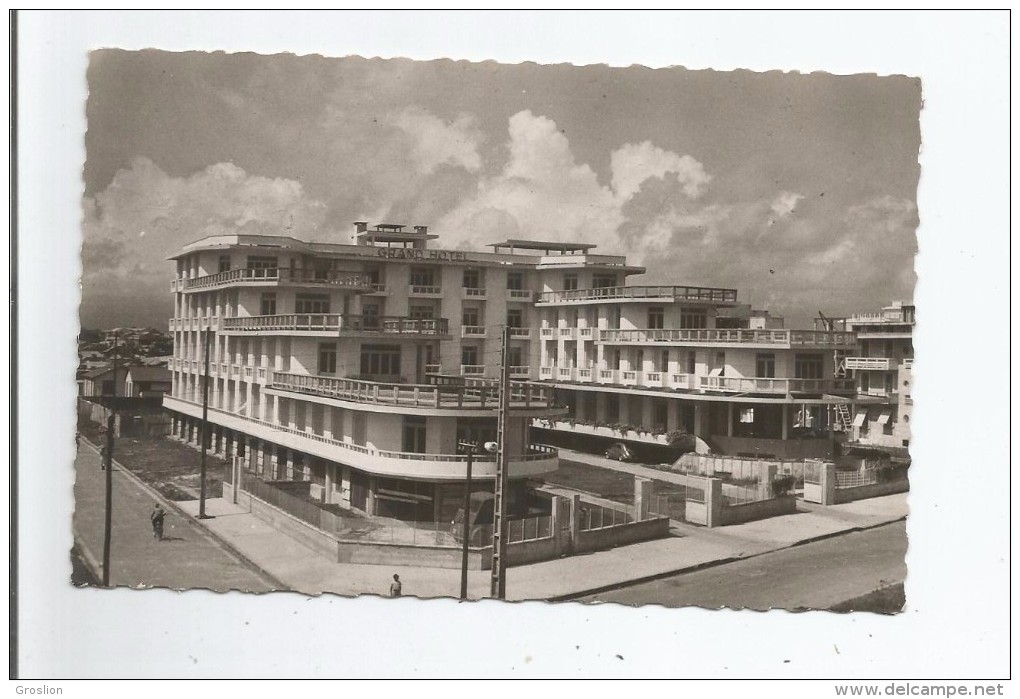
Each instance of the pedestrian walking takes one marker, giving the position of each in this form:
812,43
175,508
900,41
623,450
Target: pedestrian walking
102,457
157,517
395,587
77,440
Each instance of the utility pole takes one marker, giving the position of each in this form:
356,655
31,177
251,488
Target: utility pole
500,532
205,425
111,423
469,447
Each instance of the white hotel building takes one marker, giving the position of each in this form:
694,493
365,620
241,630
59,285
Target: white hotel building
360,367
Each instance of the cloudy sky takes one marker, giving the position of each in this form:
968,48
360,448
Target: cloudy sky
799,190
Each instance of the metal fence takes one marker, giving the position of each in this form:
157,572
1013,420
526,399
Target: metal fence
594,516
813,472
743,494
853,479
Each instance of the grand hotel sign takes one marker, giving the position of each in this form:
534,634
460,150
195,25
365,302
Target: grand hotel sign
424,255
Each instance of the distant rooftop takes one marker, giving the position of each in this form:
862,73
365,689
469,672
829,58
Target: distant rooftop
391,233
545,246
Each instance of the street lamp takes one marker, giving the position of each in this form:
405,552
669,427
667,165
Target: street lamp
469,448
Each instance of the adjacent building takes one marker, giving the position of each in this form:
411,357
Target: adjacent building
362,367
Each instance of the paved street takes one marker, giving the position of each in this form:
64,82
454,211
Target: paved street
188,557
816,575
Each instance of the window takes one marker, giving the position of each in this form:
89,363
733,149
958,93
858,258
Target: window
615,315
327,358
515,356
476,430
515,280
267,305
694,320
615,359
692,362
747,415
224,263
515,318
660,412
311,303
664,360
380,360
420,311
807,366
374,274
570,282
414,434
359,428
472,279
370,316
865,381
656,318
720,364
469,355
422,276
889,350
613,407
262,262
765,365
469,316
602,281
639,360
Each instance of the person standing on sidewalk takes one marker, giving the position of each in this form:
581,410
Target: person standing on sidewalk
395,587
157,517
102,457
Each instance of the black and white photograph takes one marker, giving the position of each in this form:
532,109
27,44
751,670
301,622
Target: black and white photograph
609,337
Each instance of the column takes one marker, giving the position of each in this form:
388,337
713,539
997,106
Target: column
729,420
327,489
785,409
673,415
644,488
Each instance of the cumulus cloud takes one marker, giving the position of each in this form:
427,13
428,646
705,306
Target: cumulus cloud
785,204
436,142
119,262
544,193
632,164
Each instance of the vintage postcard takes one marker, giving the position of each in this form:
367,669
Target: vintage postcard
474,330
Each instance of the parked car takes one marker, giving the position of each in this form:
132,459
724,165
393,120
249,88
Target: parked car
619,452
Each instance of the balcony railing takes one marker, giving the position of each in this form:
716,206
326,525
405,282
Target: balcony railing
520,333
475,394
424,290
377,288
520,372
395,325
869,363
585,333
779,338
545,372
547,333
609,375
585,374
293,322
472,331
565,374
683,382
567,333
473,292
682,293
433,368
291,275
741,384
518,294
629,378
472,370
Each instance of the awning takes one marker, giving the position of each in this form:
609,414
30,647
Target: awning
716,372
860,417
884,417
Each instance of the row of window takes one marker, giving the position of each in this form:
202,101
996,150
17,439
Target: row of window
805,366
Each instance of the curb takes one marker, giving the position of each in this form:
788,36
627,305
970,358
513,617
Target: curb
569,596
271,579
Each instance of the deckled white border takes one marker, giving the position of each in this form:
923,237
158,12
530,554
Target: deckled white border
956,625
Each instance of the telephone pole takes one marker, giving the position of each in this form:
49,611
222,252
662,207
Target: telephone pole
205,426
500,532
469,447
111,424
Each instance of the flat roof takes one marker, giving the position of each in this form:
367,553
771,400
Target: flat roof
393,236
547,246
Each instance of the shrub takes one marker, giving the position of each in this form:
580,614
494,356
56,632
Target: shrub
782,486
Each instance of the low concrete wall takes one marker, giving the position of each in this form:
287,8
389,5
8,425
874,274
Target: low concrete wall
762,509
874,490
737,466
696,513
377,553
524,552
788,449
312,537
597,539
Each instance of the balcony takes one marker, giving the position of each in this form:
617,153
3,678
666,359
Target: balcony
275,277
547,333
472,331
869,363
376,289
433,368
289,323
472,293
662,294
629,377
586,375
739,384
371,325
546,372
535,459
726,338
520,372
518,295
472,370
654,379
567,333
477,394
683,382
565,374
520,333
585,333
425,291
609,375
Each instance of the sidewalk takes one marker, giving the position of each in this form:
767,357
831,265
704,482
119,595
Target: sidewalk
691,548
187,558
